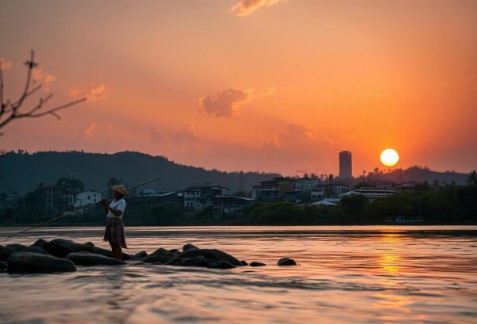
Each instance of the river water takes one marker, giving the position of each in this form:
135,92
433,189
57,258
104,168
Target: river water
345,274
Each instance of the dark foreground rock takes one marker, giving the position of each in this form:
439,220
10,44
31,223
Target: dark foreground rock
91,259
60,255
28,262
257,264
286,262
3,266
210,255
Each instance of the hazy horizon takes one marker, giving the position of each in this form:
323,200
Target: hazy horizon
268,85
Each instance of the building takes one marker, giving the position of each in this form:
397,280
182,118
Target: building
346,167
230,205
274,190
371,193
52,196
86,198
199,197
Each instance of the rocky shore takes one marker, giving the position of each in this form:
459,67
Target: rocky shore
60,255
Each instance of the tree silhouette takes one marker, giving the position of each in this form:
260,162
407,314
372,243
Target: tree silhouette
13,110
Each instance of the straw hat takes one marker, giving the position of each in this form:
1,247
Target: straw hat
120,189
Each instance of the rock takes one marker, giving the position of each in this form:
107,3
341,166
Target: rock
39,242
160,255
91,259
75,247
257,264
243,263
221,265
140,255
210,255
87,247
197,261
28,262
189,246
5,253
56,249
286,262
3,266
24,248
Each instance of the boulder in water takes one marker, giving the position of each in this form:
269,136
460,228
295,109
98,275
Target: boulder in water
29,262
286,262
5,253
56,250
3,266
257,264
189,246
91,259
161,255
221,265
211,255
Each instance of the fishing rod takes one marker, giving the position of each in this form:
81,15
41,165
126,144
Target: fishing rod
72,212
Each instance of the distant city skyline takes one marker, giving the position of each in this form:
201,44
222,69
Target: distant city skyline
267,86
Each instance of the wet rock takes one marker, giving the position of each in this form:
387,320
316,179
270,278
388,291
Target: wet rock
257,264
3,266
86,247
75,247
221,265
211,255
5,253
39,242
56,249
91,259
28,262
24,248
286,262
140,255
243,263
161,255
197,261
189,246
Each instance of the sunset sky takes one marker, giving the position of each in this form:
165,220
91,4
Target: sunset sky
253,85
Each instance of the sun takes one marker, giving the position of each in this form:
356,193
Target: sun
389,157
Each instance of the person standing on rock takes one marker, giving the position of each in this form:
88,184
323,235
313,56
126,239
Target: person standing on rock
114,232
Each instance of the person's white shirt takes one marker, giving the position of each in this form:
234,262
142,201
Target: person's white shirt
119,204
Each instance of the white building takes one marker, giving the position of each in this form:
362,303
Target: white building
86,198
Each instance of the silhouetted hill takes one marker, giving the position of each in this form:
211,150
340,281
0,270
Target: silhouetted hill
23,172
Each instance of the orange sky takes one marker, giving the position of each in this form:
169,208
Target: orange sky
271,85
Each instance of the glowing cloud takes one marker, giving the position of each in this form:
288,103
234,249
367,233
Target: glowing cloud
246,7
171,140
4,64
88,132
226,103
45,79
93,92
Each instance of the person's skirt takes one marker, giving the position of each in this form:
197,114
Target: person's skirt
114,232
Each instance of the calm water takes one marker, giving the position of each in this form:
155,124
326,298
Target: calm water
370,274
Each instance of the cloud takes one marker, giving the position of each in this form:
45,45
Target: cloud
97,91
246,7
45,79
226,103
4,64
295,136
88,132
175,138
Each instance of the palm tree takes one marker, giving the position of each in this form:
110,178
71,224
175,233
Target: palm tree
472,180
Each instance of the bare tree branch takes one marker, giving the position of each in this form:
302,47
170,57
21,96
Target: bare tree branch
10,111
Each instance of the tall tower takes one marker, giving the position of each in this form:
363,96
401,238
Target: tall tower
346,169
